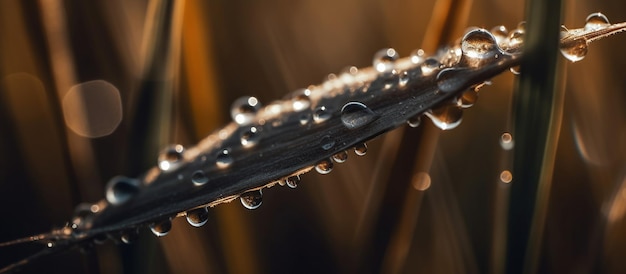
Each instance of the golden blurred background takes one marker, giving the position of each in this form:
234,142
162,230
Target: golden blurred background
94,89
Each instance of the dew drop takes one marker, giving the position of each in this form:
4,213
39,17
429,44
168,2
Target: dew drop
360,149
575,49
340,157
198,178
515,70
477,45
446,117
414,121
430,65
506,141
324,166
384,60
327,142
355,115
244,109
161,229
129,236
596,21
120,189
453,79
417,56
506,176
301,100
421,181
171,158
500,33
250,137
197,217
292,181
404,78
468,99
516,38
224,159
252,199
321,114
305,118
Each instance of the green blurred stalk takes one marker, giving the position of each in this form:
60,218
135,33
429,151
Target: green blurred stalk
537,109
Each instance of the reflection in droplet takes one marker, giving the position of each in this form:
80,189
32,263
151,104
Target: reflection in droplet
340,157
171,158
197,217
321,114
384,60
506,176
199,178
161,229
93,109
224,159
244,109
446,117
477,45
120,189
574,49
356,114
292,181
596,21
250,137
421,181
506,141
360,149
252,199
324,166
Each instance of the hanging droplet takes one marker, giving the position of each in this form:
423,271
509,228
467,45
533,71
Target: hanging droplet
244,109
197,217
161,229
250,137
355,115
120,189
252,199
324,166
506,141
515,70
129,236
199,178
430,65
404,78
340,157
478,45
596,21
384,60
360,149
224,159
468,99
321,114
171,158
500,33
292,181
574,49
417,56
327,142
414,121
305,118
446,117
301,100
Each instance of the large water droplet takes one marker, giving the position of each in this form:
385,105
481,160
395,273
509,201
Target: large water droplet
161,229
575,49
596,21
224,159
506,141
414,121
384,60
121,189
446,117
244,109
360,149
293,181
324,166
478,45
171,158
199,178
301,100
355,115
321,114
250,137
340,157
252,199
198,217
327,142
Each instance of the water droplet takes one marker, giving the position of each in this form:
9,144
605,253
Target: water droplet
478,45
468,99
120,189
515,70
250,137
404,78
171,158
321,114
50,244
197,217
224,159
384,60
199,178
252,199
417,56
430,65
244,109
453,79
596,21
129,236
516,38
360,149
327,142
506,141
324,166
574,49
301,100
355,115
446,117
421,181
500,33
340,157
506,176
414,121
161,229
293,181
305,118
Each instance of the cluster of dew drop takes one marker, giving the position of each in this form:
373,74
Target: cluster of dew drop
450,68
